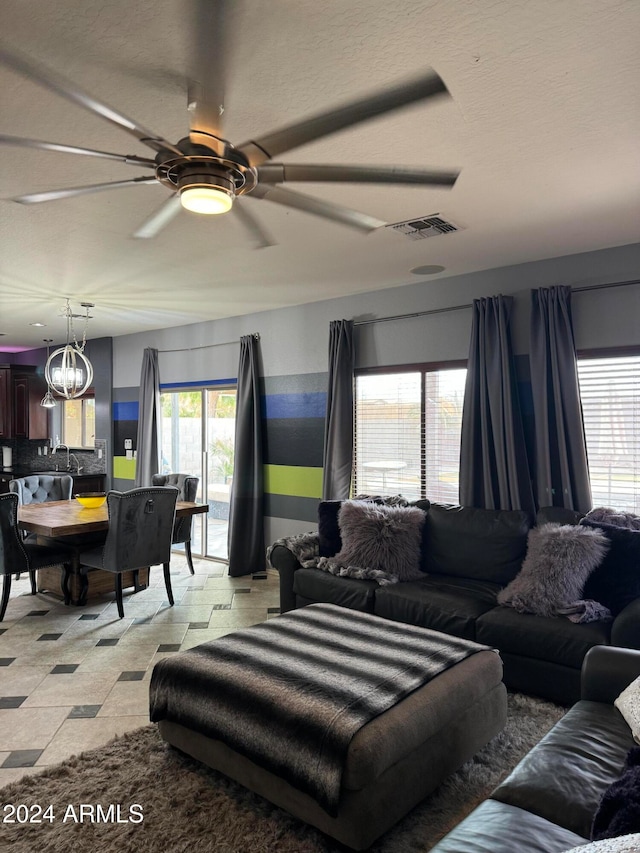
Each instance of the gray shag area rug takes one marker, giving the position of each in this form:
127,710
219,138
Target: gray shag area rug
148,796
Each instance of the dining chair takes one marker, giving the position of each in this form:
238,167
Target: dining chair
187,486
18,555
37,489
40,488
139,536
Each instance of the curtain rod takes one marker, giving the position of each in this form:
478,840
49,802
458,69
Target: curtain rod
255,335
470,304
602,286
408,316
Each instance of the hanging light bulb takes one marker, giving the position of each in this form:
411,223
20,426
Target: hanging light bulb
68,370
47,401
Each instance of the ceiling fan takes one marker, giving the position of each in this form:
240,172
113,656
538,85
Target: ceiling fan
203,171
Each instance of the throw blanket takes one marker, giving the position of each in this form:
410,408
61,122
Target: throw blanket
304,548
291,693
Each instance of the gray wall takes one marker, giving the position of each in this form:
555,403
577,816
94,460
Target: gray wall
294,340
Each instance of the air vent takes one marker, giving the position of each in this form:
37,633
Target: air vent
429,226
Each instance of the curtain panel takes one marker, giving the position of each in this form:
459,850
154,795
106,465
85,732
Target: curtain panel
246,512
494,470
561,468
149,414
338,428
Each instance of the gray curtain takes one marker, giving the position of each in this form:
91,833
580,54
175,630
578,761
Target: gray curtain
338,427
494,472
149,414
561,470
246,514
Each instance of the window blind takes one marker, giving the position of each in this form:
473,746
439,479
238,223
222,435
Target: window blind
610,393
407,433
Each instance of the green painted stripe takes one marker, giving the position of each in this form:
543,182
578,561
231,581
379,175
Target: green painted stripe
123,468
293,480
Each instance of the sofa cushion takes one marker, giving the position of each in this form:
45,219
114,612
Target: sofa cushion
548,638
443,603
563,778
329,541
485,544
560,558
493,827
316,585
557,515
616,581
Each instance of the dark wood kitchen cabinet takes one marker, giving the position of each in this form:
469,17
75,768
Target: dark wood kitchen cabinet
30,419
21,415
6,404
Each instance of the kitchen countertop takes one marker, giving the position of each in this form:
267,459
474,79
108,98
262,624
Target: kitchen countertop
14,474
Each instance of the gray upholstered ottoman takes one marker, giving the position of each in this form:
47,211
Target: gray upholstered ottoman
344,719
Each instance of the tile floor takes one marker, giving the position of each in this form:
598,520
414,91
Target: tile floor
71,678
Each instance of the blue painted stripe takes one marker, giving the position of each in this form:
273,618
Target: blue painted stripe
125,411
204,383
306,405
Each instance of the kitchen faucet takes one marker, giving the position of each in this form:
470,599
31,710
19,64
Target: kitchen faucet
69,457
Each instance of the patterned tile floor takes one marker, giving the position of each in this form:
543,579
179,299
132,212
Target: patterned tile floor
71,678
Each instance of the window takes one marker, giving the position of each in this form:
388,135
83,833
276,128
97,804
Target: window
197,436
610,393
79,422
407,432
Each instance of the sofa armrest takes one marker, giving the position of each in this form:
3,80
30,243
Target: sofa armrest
625,630
606,671
285,562
286,555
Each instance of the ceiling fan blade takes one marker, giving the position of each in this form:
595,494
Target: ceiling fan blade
71,92
158,220
325,209
211,25
257,233
278,173
265,147
56,195
74,149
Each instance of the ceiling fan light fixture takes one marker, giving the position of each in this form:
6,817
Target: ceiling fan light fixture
206,200
206,193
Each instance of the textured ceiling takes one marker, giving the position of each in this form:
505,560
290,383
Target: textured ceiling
544,122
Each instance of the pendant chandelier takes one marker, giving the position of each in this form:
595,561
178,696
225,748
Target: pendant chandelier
68,371
47,401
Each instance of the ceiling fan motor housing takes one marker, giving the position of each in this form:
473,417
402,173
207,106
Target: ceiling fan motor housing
201,166
205,175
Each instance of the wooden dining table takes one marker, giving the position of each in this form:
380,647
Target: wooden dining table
69,519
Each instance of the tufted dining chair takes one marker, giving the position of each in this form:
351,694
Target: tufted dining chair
187,486
41,488
139,536
18,556
38,489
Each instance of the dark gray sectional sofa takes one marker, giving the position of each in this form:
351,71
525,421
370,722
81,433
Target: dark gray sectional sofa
549,801
469,555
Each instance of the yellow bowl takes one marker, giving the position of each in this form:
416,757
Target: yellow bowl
92,499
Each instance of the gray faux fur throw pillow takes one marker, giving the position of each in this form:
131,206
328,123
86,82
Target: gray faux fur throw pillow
381,538
558,562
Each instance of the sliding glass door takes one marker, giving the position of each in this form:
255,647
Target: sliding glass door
198,428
